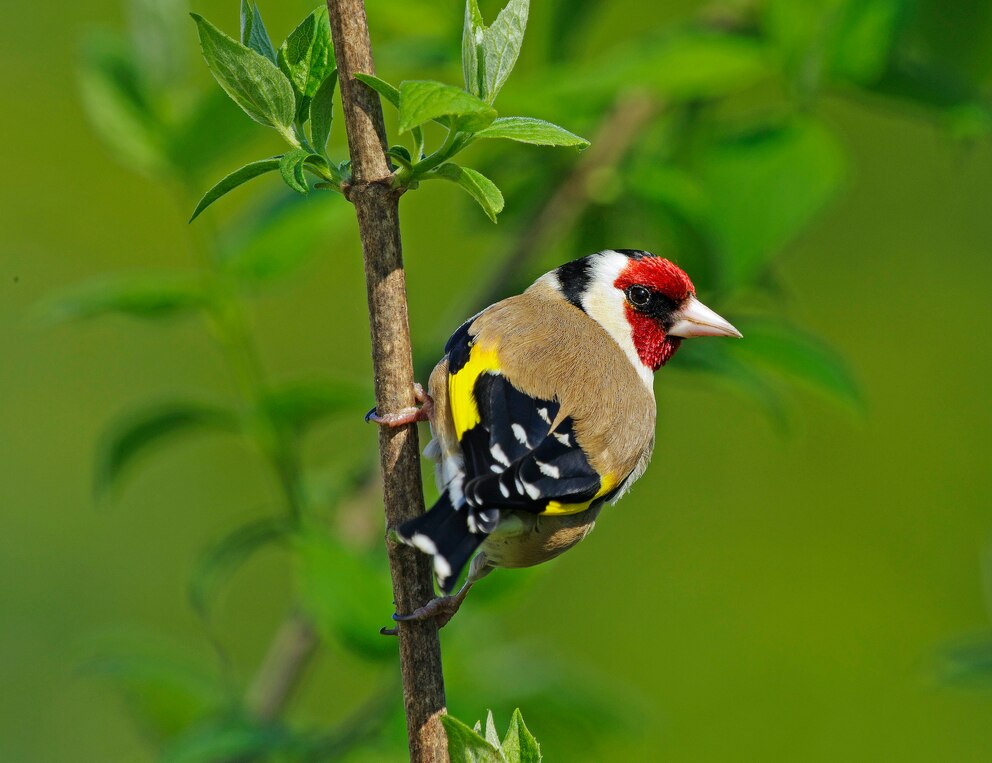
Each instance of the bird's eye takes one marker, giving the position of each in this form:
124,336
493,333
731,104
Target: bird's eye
638,296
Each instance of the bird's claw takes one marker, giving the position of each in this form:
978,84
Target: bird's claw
441,608
408,415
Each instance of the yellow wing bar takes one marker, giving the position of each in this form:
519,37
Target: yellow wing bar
556,508
461,388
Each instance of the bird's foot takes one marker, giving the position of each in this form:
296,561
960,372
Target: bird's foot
441,608
408,415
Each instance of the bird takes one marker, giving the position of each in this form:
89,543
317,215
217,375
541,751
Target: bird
542,411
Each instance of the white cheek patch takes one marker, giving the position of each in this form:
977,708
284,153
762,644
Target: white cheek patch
605,304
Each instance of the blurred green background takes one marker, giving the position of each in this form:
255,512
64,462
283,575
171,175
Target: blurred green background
781,584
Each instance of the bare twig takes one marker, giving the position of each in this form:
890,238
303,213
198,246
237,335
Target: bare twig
377,208
289,653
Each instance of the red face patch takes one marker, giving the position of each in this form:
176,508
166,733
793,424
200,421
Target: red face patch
653,347
658,274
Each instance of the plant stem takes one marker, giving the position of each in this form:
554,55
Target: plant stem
291,649
377,209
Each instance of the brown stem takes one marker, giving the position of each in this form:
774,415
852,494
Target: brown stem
377,208
291,649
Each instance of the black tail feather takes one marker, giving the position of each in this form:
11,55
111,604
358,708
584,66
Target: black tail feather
443,533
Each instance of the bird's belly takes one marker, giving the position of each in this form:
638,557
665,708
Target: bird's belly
524,539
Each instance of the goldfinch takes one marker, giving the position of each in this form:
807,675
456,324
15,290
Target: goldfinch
543,410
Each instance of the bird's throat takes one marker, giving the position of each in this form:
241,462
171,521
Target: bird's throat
654,347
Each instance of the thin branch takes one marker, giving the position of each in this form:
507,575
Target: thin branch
377,209
277,677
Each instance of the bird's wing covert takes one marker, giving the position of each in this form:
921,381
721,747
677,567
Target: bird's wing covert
512,458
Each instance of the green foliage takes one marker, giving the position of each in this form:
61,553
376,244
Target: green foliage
478,186
166,692
249,78
426,101
307,57
790,170
142,432
468,745
148,296
272,244
307,64
322,112
337,583
527,130
253,32
239,177
221,560
490,53
232,739
299,405
291,169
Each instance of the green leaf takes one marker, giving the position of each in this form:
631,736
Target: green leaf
120,106
165,691
307,57
291,169
799,355
489,53
249,78
491,734
392,94
478,186
230,182
519,745
322,112
467,746
223,558
529,130
790,172
345,591
141,433
473,37
253,32
273,244
423,100
300,405
502,42
145,295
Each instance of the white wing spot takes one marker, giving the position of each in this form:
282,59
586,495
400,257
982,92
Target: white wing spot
441,568
425,544
563,439
520,434
499,455
543,413
504,489
548,469
496,468
518,483
532,491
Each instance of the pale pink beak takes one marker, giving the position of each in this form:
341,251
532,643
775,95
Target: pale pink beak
696,319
